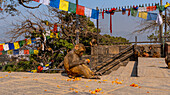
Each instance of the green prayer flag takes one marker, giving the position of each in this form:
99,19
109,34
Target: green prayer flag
161,8
21,43
4,52
47,37
31,51
134,12
72,7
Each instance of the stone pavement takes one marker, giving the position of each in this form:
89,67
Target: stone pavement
154,79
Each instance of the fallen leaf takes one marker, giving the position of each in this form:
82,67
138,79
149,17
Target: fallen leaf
76,91
54,78
147,91
9,72
58,86
6,75
93,92
87,86
1,77
102,92
104,80
45,90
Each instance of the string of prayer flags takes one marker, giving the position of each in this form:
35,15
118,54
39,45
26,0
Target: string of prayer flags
80,10
16,45
143,15
45,2
64,5
36,52
72,7
151,8
5,47
4,52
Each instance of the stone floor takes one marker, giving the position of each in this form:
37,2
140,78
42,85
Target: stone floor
153,78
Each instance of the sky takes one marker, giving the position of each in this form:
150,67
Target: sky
123,25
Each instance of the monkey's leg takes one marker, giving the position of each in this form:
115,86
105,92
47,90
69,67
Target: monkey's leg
87,68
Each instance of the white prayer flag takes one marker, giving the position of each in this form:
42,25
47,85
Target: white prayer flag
21,52
88,12
142,9
45,2
159,20
6,47
48,33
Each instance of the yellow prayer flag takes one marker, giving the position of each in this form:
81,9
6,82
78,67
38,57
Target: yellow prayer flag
16,45
36,52
52,35
29,41
10,52
57,35
46,65
2,43
167,5
143,15
64,5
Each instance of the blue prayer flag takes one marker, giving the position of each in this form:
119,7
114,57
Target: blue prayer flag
95,14
33,40
152,16
15,52
11,46
55,3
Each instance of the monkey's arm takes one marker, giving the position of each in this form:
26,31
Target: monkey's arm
75,63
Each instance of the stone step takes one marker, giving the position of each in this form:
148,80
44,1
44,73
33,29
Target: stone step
129,68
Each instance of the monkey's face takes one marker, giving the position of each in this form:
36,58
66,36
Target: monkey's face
80,49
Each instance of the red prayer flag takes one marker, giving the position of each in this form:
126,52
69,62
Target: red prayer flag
1,47
55,28
26,51
80,10
129,12
103,14
36,0
110,23
0,53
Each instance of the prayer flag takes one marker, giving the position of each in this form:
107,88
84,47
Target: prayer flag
80,10
129,12
48,33
36,0
159,20
4,52
57,34
31,51
16,52
1,47
45,2
16,45
33,40
0,52
22,43
11,46
54,3
36,52
64,5
161,8
110,23
152,16
103,14
29,41
21,52
47,37
10,52
52,35
55,28
167,5
26,51
6,47
134,12
143,15
142,9
72,7
95,14
88,12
